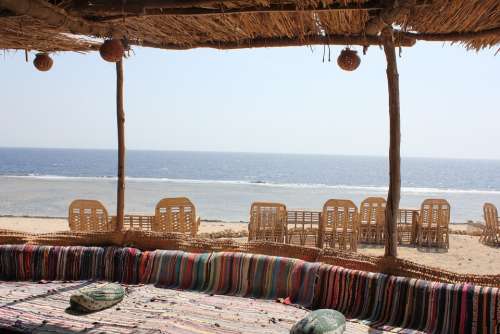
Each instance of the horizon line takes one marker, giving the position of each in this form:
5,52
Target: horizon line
244,152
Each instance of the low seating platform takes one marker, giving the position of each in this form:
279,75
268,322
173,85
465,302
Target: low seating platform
383,302
42,308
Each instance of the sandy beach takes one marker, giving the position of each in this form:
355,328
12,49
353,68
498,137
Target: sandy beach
465,255
47,225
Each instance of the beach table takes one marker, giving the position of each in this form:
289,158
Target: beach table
301,226
408,226
140,222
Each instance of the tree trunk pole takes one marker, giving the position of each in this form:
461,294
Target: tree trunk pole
120,122
393,195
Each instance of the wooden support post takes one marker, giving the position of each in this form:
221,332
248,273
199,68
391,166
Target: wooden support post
393,195
120,122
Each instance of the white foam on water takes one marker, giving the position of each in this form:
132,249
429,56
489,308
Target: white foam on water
366,188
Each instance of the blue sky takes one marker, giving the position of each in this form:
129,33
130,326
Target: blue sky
257,100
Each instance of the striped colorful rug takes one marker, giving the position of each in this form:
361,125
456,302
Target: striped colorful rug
42,308
176,269
395,303
260,276
391,303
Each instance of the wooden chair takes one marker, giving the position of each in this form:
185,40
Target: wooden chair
175,215
434,223
302,225
371,220
89,216
491,232
339,224
267,222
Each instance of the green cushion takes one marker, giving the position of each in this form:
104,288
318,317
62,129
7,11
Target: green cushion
97,298
320,322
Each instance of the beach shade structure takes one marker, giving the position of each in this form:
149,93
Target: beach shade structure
340,224
383,285
89,216
48,26
433,224
491,231
267,222
176,215
371,220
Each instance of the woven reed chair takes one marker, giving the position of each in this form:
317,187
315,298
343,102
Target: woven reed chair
89,216
339,224
267,222
433,225
491,232
302,225
407,226
371,220
175,215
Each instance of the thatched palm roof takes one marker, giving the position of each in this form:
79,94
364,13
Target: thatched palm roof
63,25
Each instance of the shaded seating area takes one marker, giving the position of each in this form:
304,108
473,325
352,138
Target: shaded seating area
491,231
309,284
47,27
380,300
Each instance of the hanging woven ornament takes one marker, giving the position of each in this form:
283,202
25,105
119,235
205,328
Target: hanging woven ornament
43,62
348,60
112,50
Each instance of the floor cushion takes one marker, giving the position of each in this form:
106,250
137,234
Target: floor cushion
322,321
97,298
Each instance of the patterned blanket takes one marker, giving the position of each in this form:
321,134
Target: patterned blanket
394,303
391,303
260,276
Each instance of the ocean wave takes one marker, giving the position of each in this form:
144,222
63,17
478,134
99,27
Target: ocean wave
260,183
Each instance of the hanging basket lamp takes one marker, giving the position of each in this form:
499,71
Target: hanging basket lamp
43,62
112,50
348,60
